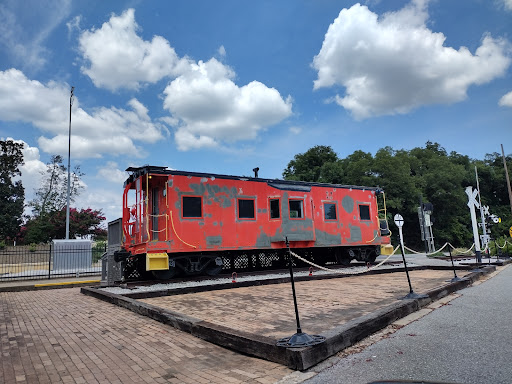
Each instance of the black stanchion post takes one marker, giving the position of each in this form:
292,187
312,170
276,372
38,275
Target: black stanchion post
299,339
299,330
399,221
455,277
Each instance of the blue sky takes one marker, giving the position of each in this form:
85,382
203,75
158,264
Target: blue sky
226,86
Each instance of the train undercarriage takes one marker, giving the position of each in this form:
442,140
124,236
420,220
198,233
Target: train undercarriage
208,263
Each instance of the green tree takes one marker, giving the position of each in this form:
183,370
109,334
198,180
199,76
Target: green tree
428,172
83,223
308,166
359,169
12,193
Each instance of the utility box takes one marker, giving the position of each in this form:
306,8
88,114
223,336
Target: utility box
111,270
71,254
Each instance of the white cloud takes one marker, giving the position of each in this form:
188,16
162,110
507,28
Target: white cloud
108,200
222,51
506,100
206,106
507,4
394,63
103,131
74,24
212,109
111,173
118,58
295,130
26,46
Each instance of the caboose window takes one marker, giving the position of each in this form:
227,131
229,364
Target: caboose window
330,211
274,209
364,212
192,206
246,209
296,209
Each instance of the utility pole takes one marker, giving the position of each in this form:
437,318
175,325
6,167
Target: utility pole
506,175
69,164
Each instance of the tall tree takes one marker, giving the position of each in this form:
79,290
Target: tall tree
12,193
308,166
51,196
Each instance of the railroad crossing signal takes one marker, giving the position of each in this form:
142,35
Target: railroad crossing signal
399,220
472,197
472,203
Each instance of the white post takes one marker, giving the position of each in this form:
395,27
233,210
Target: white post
471,204
484,230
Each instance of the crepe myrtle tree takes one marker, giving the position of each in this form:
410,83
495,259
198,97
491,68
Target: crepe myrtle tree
84,223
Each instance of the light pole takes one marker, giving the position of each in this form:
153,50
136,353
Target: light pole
69,164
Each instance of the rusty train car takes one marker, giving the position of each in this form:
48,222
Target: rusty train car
188,222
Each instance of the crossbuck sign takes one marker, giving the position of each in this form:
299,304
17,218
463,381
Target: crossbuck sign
472,203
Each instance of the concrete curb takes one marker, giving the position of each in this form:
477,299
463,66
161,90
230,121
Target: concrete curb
301,359
43,286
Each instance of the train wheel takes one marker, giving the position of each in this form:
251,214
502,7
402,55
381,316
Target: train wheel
215,268
372,257
345,261
166,274
342,257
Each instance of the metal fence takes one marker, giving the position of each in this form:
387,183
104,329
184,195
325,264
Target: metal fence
50,261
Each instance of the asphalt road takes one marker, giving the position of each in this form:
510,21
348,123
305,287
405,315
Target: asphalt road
467,341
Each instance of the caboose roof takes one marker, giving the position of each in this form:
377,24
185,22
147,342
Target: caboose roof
276,183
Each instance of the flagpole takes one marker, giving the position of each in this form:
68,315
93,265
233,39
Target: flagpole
69,164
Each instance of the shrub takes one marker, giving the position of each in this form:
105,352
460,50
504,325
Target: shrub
97,250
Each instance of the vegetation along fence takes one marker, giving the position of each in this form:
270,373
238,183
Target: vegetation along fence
52,260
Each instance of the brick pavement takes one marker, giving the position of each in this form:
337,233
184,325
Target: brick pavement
62,336
323,304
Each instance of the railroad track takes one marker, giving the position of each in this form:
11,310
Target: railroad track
183,284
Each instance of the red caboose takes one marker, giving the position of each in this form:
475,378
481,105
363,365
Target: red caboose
197,222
